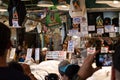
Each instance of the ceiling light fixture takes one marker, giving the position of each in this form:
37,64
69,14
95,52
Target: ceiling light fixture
63,6
3,10
25,0
112,3
45,3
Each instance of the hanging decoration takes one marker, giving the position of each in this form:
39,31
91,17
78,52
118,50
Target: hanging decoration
17,12
77,8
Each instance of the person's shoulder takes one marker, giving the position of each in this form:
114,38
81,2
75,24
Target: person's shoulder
11,74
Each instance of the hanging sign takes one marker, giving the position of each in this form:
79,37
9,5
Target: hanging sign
77,8
15,18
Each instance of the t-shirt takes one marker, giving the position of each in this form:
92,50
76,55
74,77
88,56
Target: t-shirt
7,73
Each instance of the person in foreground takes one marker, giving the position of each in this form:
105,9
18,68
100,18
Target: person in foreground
78,73
7,73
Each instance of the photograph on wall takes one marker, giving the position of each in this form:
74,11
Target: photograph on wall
91,28
109,28
100,30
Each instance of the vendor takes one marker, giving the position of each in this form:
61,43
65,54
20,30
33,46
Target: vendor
43,54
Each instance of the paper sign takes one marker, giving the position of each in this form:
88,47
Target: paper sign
91,50
70,46
109,28
91,28
100,30
29,54
12,53
15,23
57,55
37,52
104,49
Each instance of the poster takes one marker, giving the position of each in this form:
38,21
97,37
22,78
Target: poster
29,54
37,54
70,46
109,28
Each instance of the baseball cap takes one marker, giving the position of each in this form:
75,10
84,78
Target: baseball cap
70,70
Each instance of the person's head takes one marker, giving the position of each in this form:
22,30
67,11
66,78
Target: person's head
5,35
52,76
67,70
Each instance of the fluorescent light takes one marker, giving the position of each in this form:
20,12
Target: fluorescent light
25,0
112,3
45,3
63,6
3,10
104,1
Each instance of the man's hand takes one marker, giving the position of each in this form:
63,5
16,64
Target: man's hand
87,69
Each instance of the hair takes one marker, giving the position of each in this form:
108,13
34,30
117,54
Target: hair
52,76
5,35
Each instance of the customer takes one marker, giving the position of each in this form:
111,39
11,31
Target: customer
7,73
82,73
116,61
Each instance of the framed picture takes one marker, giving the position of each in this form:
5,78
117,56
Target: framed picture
109,28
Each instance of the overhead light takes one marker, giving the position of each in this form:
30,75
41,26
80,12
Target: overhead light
112,3
117,5
63,6
3,10
25,0
45,3
107,1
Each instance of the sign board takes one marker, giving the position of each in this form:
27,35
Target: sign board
56,55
